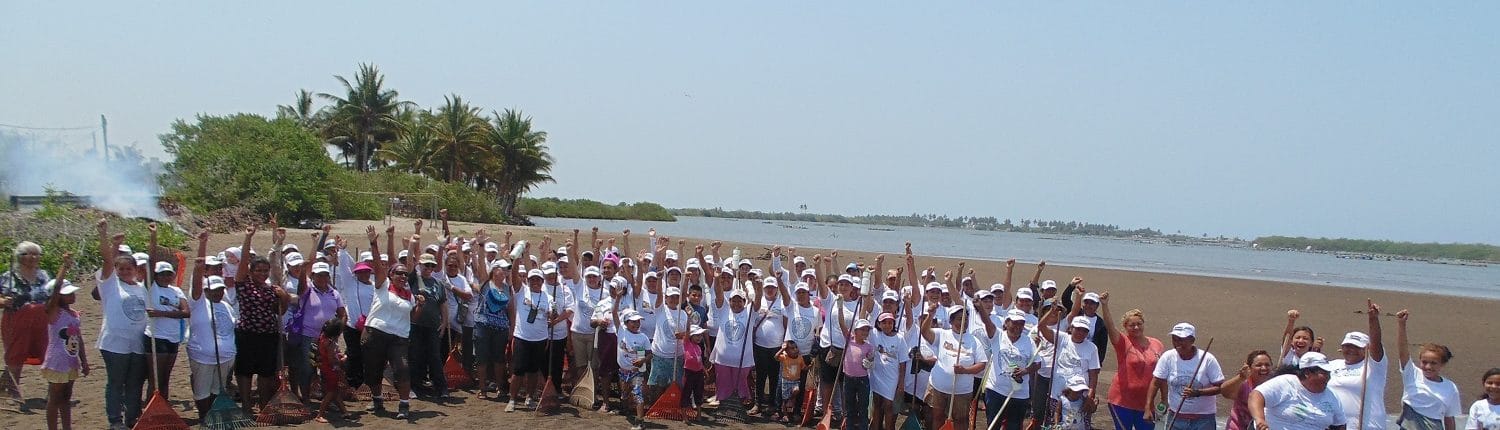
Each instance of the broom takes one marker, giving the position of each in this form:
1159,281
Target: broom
827,421
549,404
283,408
1183,400
224,414
583,391
669,404
158,414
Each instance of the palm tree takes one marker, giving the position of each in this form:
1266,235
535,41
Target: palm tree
365,117
411,152
458,133
523,155
301,111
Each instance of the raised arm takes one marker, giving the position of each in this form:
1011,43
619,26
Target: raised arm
1286,334
1010,269
244,267
1403,352
1377,345
443,214
911,272
151,254
54,301
1115,334
625,242
199,266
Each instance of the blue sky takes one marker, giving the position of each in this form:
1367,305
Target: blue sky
1327,119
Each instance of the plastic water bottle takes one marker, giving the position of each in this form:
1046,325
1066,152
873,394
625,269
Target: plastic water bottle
735,257
515,251
864,283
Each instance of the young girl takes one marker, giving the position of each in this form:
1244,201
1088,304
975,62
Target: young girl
1484,414
1297,340
65,358
792,364
858,358
1428,400
694,392
330,365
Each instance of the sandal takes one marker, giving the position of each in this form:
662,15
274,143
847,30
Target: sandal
321,419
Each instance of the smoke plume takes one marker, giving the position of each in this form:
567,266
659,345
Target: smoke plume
30,163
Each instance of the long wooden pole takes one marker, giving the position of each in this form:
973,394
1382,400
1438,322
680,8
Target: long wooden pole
1183,400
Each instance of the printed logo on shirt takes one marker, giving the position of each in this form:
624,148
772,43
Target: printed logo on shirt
70,340
735,329
134,308
801,326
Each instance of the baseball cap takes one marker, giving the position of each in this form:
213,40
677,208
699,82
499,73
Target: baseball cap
862,323
366,256
1357,339
768,282
141,258
802,286
851,266
754,272
330,243
1049,285
955,310
1091,297
67,287
1024,293
491,247
809,272
1082,322
534,273
846,278
693,263
633,316
214,283
589,271
1184,330
431,248
697,330
933,286
427,259
290,247
886,316
362,267
746,262
1015,315
563,260
403,254
1077,383
465,247
674,269
212,260
672,291
652,275
124,248
1315,359
671,255
726,271
295,259
736,293
983,294
890,295
320,267
162,267
799,260
997,286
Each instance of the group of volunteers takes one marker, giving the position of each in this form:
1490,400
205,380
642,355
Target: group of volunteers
856,346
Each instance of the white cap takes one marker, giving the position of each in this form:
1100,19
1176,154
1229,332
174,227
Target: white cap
591,271
890,295
233,250
768,282
330,243
320,267
736,294
648,257
403,254
319,255
1357,339
214,283
491,247
862,323
671,255
620,281
124,248
67,287
294,259
1184,330
929,273
549,268
141,258
983,294
997,286
290,247
799,259
697,330
631,315
534,273
846,278
1082,322
1315,359
1091,297
432,248
563,260
672,291
465,247
692,263
726,271
708,260
754,272
1016,315
1024,293
499,264
1077,383
955,310
802,286
366,256
162,267
809,272
652,275
746,262
1049,285
562,250
674,269
212,260
933,286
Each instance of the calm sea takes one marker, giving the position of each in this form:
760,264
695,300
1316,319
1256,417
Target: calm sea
1208,260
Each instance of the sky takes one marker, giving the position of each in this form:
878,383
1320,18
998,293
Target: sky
1332,119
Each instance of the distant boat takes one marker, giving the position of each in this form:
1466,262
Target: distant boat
880,229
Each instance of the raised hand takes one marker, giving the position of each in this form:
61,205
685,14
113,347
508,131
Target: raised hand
626,232
1041,265
716,246
278,236
651,232
1010,264
1293,314
1078,280
202,238
371,235
1104,298
151,228
117,240
908,248
879,258
1402,315
1374,308
443,213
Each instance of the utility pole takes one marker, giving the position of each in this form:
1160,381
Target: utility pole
104,128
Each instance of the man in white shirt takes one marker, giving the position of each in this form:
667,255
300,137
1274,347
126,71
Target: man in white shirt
1188,379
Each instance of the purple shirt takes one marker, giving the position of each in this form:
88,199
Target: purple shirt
320,307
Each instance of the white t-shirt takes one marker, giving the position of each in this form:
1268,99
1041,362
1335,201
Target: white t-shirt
947,349
1072,417
564,297
586,302
802,324
1005,358
390,313
124,308
1178,373
1436,400
632,347
358,297
532,301
832,336
664,342
1289,406
731,348
166,298
1483,416
772,333
1345,383
890,353
459,283
1073,359
916,385
201,334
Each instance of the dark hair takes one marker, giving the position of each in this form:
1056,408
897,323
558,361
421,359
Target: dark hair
1494,371
259,260
333,328
1304,373
1441,350
1285,369
1250,359
1307,329
695,287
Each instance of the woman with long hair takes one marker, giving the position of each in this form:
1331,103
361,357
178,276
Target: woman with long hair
1257,369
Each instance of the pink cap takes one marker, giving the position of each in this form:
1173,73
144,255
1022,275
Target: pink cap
363,266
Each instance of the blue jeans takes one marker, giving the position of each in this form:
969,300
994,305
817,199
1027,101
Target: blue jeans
125,377
1183,423
1014,412
856,402
298,351
1130,419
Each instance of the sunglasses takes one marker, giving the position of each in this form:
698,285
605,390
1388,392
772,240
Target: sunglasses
398,273
429,265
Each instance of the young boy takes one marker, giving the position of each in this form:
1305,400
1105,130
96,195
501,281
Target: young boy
634,353
792,365
1071,406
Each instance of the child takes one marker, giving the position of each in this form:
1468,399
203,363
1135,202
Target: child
634,354
858,359
694,392
1071,406
330,365
65,358
792,364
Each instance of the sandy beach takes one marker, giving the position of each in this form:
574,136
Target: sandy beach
1240,316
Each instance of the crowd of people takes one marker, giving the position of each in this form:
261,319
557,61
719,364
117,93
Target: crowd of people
810,340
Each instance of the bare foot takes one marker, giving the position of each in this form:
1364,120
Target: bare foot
321,419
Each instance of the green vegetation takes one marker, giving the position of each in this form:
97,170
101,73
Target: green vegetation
413,195
271,167
1457,251
580,208
61,228
930,220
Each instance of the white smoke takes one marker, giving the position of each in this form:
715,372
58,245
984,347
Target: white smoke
30,163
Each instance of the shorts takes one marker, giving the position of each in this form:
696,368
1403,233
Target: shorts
827,371
609,354
489,344
57,377
162,346
583,351
788,388
208,379
262,363
939,399
636,381
665,371
529,357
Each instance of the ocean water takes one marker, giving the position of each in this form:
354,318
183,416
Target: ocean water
1083,251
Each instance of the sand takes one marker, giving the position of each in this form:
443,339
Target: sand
1240,315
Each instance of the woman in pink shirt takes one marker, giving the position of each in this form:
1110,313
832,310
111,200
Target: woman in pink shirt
1135,358
857,361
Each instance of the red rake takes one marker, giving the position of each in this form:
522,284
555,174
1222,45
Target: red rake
669,406
284,408
807,407
158,414
454,372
